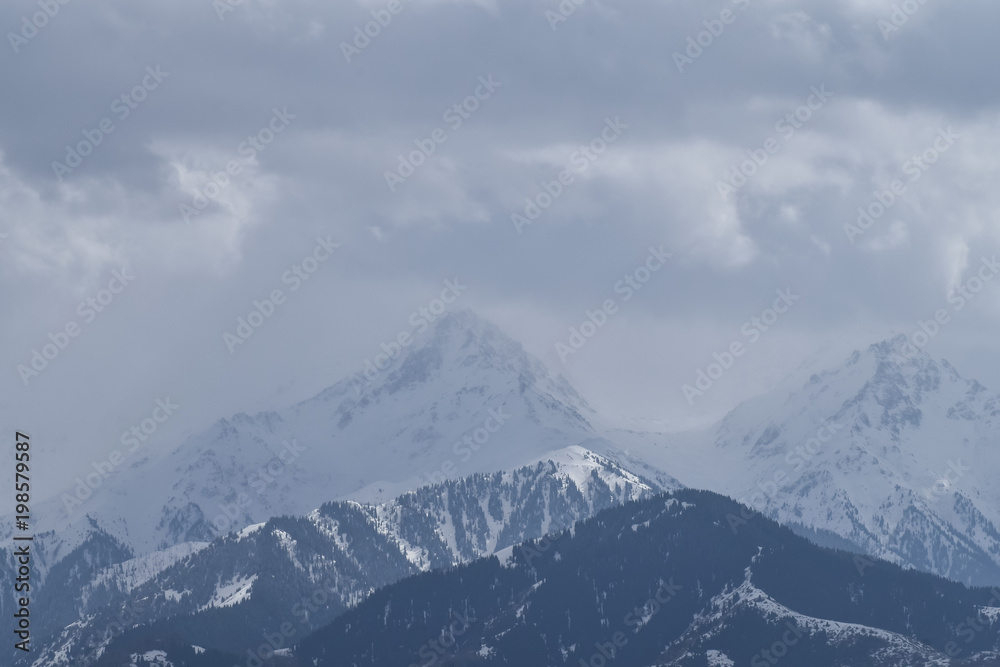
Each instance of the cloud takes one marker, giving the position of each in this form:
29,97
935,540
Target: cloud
658,184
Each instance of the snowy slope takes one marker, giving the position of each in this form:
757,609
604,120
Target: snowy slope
130,574
462,399
886,648
888,455
664,582
899,456
349,548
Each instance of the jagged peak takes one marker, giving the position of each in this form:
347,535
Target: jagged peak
453,338
899,349
892,374
464,319
463,333
900,357
458,344
903,352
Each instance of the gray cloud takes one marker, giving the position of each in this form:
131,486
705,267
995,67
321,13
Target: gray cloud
325,175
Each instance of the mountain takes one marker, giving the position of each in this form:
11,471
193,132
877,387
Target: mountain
886,454
463,398
663,581
666,581
221,595
890,454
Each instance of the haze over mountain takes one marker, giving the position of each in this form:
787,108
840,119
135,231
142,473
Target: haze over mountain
856,457
894,452
463,398
324,315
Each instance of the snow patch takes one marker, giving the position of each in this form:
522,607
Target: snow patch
992,613
129,575
231,593
253,528
718,659
174,596
158,658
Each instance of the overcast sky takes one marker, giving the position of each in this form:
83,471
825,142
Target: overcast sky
831,102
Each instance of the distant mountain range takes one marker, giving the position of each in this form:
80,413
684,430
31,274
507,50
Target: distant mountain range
221,594
663,582
885,454
889,454
463,399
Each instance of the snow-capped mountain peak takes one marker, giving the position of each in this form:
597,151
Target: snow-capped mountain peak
892,450
461,397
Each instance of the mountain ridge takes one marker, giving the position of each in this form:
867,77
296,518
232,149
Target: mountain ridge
879,450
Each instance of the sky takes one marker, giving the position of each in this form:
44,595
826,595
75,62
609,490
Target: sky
669,170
